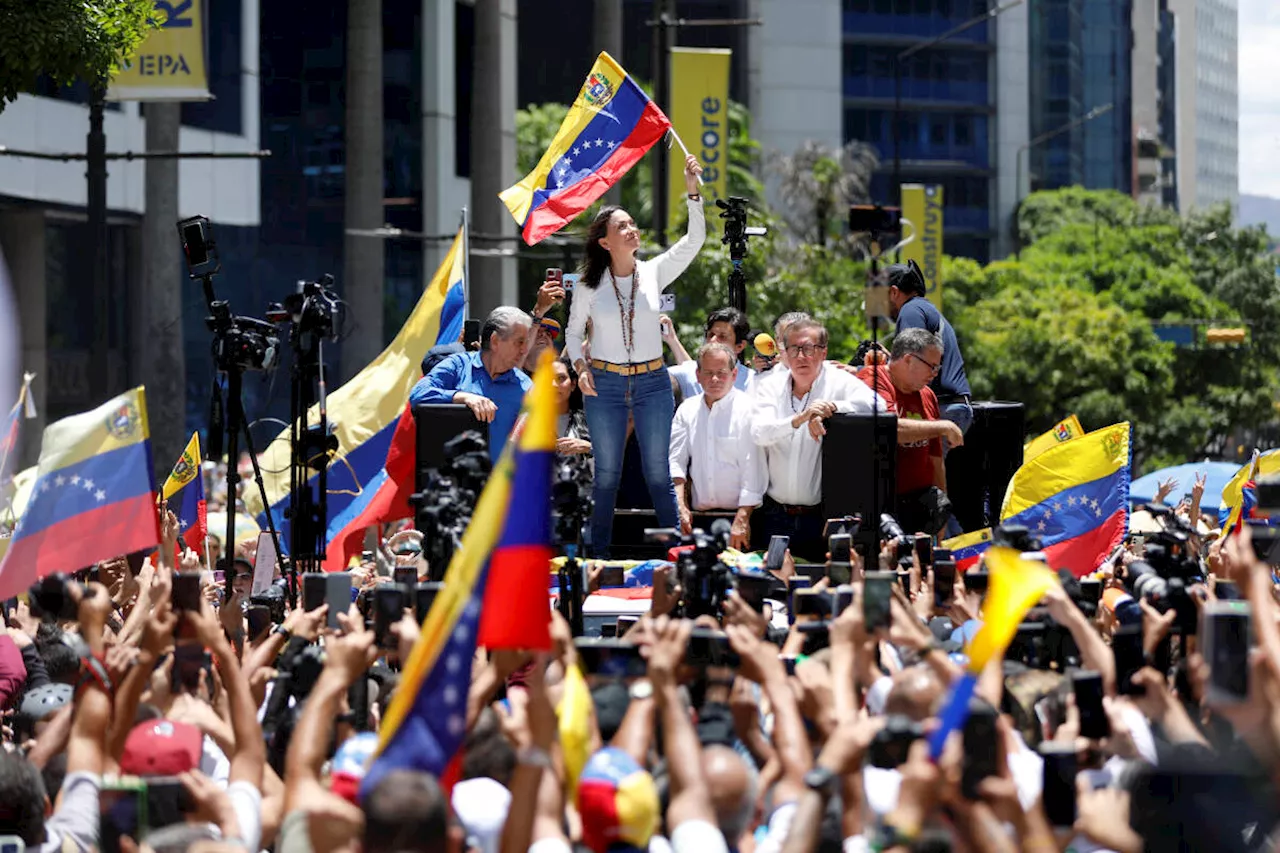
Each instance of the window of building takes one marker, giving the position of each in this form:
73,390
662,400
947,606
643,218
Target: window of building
963,129
464,47
223,64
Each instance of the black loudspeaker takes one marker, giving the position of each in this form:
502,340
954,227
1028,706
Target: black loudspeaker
859,467
978,473
437,425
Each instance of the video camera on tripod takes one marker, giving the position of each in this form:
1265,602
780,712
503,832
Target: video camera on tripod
705,581
446,497
736,232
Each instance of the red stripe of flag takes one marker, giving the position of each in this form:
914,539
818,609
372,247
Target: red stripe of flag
80,541
564,205
1084,553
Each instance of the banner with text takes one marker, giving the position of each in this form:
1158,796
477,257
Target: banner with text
699,112
169,65
922,206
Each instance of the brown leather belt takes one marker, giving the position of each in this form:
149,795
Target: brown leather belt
627,369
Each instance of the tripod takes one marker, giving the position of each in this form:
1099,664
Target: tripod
311,445
233,426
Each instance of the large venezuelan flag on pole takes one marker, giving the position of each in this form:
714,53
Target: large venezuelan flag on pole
610,126
94,497
365,412
424,727
516,612
1075,498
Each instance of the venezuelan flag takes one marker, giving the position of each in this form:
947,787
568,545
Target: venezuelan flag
967,548
424,727
1015,585
1075,498
93,498
453,311
1239,497
184,490
516,613
610,126
25,406
366,412
1064,430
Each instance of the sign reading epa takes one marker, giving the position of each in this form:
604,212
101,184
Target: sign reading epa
169,65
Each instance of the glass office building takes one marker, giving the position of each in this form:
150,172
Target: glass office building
947,119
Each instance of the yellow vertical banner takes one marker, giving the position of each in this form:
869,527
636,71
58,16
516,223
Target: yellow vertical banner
699,112
922,207
169,66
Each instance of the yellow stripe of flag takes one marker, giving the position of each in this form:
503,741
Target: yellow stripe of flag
1093,456
122,422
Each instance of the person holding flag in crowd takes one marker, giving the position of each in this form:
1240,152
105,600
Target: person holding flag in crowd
184,492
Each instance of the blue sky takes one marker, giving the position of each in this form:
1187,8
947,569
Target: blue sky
1260,97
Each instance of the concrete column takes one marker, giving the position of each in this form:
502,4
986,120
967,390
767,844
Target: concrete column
443,192
156,354
493,152
607,32
364,264
22,238
1012,123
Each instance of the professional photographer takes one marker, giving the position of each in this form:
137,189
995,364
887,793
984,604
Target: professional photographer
490,382
911,310
903,385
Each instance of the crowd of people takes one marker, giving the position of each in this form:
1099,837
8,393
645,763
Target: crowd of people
789,718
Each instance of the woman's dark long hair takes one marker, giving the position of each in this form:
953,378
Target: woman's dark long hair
596,259
575,396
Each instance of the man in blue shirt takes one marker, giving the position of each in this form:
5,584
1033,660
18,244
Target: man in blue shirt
911,310
726,326
489,382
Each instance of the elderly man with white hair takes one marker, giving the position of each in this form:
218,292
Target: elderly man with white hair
489,382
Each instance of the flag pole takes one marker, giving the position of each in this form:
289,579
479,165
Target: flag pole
466,263
680,142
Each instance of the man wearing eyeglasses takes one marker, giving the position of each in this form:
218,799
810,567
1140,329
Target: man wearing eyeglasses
909,308
711,448
916,359
791,405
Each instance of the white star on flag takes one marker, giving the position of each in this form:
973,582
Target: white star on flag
59,480
100,495
1071,501
75,480
611,144
599,142
88,485
586,145
575,152
1040,526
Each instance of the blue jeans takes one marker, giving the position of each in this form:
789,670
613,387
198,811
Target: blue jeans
647,397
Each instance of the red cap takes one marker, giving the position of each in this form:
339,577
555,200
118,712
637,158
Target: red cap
161,748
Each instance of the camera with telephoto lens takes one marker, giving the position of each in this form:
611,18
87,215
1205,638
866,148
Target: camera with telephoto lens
705,580
298,668
443,509
1167,570
272,598
314,309
571,496
891,531
1015,536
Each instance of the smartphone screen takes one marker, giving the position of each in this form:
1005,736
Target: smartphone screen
424,596
122,811
1224,632
1059,783
1087,687
753,589
924,549
259,617
840,546
470,333
708,647
980,754
612,576
388,608
777,551
337,594
944,581
405,576
313,591
1126,645
814,602
976,580
1226,591
186,591
877,592
610,657
1091,590
795,584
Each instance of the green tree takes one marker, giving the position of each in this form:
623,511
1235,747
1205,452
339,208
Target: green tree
68,40
816,185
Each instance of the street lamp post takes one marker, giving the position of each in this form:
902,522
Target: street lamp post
988,15
1045,137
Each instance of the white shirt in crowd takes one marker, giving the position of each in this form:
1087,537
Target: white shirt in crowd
793,457
602,307
712,448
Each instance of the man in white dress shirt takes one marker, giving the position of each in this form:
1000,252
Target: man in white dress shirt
791,405
712,448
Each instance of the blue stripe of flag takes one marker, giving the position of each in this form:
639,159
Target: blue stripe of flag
1072,512
87,485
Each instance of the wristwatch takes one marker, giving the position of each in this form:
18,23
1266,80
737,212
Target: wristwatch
282,631
642,689
822,780
533,756
695,196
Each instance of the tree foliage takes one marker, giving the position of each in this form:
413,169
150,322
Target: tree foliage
68,40
1069,325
